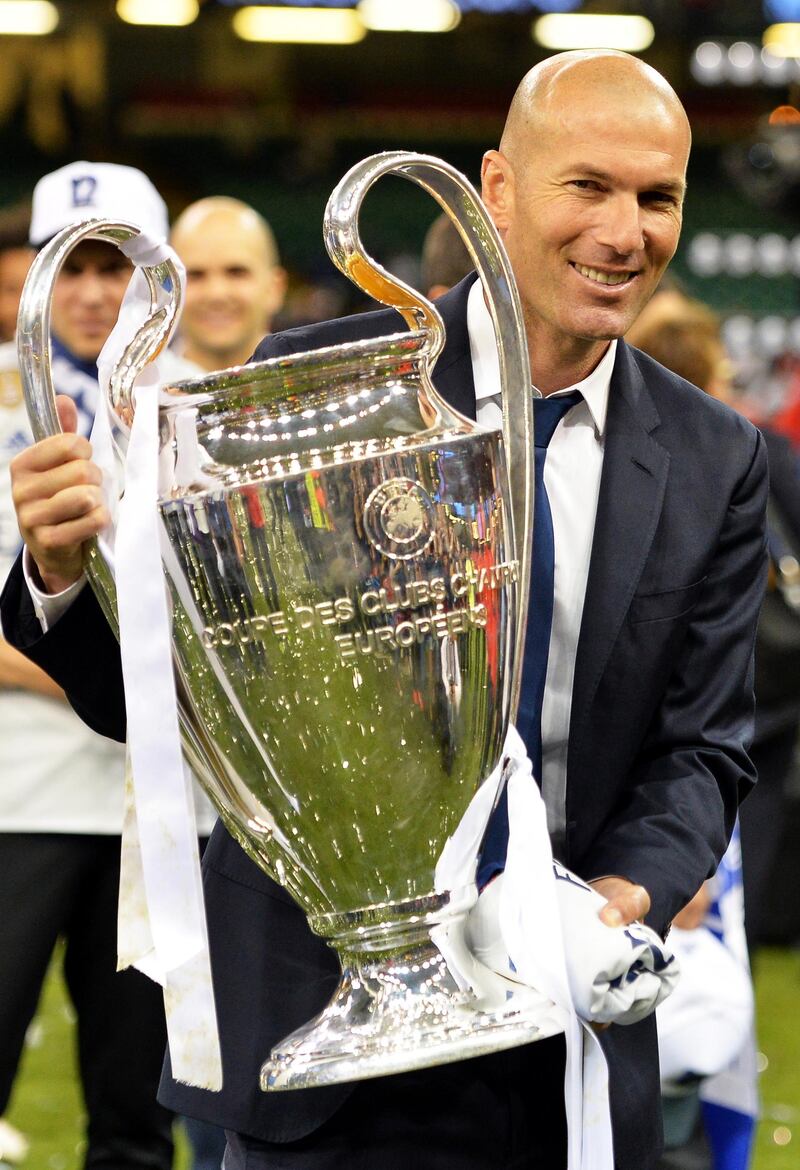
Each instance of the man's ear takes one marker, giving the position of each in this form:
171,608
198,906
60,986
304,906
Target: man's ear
497,188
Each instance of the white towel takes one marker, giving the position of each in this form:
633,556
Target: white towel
617,974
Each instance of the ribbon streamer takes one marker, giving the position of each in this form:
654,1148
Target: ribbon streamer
531,928
161,926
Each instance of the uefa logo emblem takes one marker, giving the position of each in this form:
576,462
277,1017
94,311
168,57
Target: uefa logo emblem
399,519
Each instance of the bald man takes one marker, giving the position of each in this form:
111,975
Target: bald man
235,284
657,496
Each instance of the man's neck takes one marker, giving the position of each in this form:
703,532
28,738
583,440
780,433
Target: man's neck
557,364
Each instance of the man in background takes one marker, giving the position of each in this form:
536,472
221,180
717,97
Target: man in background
16,255
444,259
711,1118
235,284
685,336
61,798
234,287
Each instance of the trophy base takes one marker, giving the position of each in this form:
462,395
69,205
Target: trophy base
408,1011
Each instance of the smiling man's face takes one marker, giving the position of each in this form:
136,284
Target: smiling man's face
589,205
234,284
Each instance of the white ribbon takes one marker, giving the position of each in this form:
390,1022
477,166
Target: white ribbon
531,929
161,926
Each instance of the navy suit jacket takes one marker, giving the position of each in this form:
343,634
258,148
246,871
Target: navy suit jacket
661,716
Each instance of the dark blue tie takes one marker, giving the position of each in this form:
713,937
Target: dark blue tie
547,414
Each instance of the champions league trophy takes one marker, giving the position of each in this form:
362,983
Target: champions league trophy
347,559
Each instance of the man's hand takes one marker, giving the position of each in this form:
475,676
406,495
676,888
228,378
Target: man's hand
626,902
58,498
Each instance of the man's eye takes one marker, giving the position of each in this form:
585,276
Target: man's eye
585,184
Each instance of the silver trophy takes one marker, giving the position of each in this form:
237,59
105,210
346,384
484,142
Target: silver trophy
348,615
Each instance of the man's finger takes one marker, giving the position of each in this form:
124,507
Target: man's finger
631,905
72,503
50,453
67,413
30,486
68,535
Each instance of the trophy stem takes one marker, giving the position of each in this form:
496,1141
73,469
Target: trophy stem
424,1000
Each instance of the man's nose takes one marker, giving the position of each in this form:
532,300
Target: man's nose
216,287
92,288
620,228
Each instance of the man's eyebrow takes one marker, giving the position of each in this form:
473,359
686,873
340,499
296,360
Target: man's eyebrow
591,172
676,189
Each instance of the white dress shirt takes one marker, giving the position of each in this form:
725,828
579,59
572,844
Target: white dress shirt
572,473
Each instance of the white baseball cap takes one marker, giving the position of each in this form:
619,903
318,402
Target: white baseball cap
86,190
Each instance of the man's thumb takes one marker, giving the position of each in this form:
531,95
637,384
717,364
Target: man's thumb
67,413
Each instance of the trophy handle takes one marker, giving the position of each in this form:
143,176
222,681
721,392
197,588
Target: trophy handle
461,202
33,350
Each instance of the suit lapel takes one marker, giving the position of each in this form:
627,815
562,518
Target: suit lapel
632,488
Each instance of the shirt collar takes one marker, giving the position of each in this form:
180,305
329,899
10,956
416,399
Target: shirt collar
486,364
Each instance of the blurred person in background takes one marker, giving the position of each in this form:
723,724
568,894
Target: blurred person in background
711,1108
16,255
706,1035
61,797
234,287
444,259
684,335
234,282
